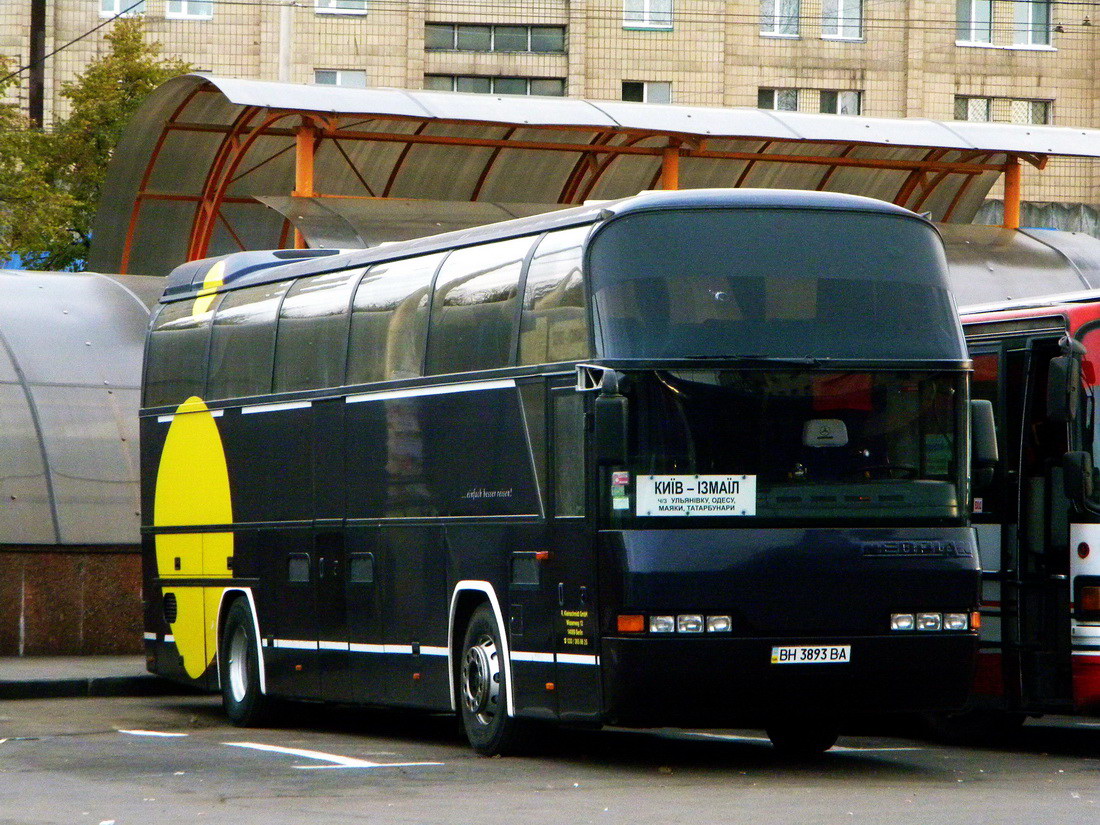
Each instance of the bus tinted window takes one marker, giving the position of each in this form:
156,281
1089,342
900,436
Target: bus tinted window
773,283
553,325
312,341
474,307
243,341
176,367
389,320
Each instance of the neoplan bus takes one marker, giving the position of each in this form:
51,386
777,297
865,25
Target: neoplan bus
1037,361
688,458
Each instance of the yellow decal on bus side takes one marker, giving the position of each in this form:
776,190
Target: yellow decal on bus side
215,277
192,489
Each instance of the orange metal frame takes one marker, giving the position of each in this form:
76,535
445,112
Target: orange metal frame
305,132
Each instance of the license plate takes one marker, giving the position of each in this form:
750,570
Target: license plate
812,655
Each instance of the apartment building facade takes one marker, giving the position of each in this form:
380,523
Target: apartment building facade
1014,61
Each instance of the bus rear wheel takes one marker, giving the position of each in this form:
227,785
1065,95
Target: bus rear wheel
244,704
482,682
802,738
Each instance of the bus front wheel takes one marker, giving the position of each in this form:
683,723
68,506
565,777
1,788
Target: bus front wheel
802,738
483,687
244,704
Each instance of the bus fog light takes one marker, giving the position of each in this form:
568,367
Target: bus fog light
956,621
719,624
929,621
901,621
689,623
662,624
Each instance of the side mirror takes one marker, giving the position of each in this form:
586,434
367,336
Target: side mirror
983,434
611,419
1079,479
1064,381
1061,389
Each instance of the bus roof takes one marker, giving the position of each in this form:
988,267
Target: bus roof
1036,302
249,268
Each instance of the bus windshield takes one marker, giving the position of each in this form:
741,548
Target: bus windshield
792,444
772,283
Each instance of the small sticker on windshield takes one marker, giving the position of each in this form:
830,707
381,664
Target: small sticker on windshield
689,495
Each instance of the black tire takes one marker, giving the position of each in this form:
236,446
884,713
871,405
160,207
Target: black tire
239,669
482,688
802,738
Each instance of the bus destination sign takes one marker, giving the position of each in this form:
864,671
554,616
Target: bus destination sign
690,495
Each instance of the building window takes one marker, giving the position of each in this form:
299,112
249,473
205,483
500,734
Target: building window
479,84
784,100
123,8
460,37
842,19
349,78
1032,24
340,6
975,109
779,18
1035,112
841,102
188,9
647,91
974,21
647,14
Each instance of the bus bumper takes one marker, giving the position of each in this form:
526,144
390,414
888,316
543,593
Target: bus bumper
715,682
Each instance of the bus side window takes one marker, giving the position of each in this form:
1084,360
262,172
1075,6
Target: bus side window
176,368
554,323
389,320
568,454
242,346
312,339
1090,369
474,307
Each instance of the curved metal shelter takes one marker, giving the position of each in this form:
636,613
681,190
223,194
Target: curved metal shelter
70,373
212,165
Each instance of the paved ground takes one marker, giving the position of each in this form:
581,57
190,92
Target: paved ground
173,759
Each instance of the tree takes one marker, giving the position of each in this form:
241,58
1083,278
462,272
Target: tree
31,209
58,175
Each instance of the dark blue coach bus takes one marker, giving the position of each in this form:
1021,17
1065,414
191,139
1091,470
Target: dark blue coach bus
693,458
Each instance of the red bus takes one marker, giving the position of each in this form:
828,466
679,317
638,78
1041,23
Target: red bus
1037,513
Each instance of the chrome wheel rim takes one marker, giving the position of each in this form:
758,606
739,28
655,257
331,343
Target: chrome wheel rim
481,680
238,664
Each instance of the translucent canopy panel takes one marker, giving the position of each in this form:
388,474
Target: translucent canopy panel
199,156
70,371
989,265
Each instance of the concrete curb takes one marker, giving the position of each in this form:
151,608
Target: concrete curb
148,685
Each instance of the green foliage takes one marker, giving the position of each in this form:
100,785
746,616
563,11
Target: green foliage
30,207
52,180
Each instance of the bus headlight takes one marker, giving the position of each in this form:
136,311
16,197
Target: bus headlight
929,621
956,621
901,621
690,623
662,624
719,624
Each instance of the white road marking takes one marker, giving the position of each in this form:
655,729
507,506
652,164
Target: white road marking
336,760
150,733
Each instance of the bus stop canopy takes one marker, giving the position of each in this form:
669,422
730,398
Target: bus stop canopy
212,165
70,372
